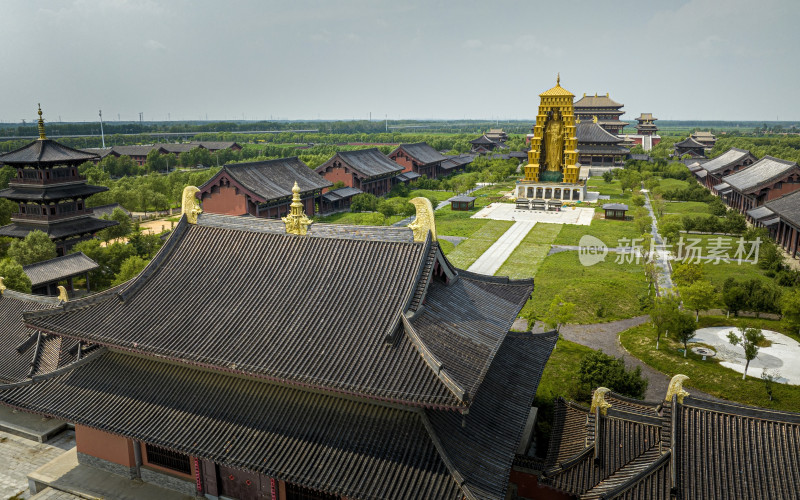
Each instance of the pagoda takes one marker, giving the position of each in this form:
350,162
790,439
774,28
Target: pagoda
602,107
645,125
50,193
552,170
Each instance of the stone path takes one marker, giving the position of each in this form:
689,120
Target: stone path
491,260
20,456
605,336
662,255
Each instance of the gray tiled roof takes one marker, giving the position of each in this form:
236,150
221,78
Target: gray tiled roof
214,145
60,229
63,267
273,179
368,162
760,212
102,210
766,170
596,101
371,273
788,207
458,161
15,354
45,152
689,142
592,133
50,192
733,156
615,206
421,152
462,198
134,150
408,176
341,193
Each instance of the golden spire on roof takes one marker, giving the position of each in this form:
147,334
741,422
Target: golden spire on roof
296,222
558,78
594,118
41,124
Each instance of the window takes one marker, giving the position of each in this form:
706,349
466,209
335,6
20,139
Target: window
172,460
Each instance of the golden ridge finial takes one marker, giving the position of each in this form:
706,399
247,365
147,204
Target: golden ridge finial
594,118
558,79
296,222
676,388
2,285
599,400
62,294
424,221
190,206
41,124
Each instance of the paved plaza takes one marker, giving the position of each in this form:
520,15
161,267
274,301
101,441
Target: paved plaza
508,211
20,456
491,260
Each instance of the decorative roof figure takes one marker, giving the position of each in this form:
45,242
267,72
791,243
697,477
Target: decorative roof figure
424,221
296,222
41,124
190,206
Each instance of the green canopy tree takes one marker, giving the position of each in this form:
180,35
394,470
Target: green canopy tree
662,315
558,313
35,247
14,277
790,308
749,338
601,370
130,267
699,296
684,326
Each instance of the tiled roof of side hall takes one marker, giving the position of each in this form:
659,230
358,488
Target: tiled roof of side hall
56,230
59,268
592,133
689,142
18,344
341,348
788,207
273,179
45,152
368,162
733,156
421,152
596,101
766,170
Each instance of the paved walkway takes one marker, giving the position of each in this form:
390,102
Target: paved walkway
491,260
605,336
20,456
662,254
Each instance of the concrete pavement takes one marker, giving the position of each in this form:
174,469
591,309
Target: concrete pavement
493,258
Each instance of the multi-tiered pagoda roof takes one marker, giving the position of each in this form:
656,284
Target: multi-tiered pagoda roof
50,193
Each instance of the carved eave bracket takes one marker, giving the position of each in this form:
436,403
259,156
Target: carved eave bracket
190,206
297,222
676,388
599,400
424,221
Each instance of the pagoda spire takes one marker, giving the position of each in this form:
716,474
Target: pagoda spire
558,79
296,222
41,124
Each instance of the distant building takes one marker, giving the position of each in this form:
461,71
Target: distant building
484,144
707,139
497,135
646,124
782,217
691,147
420,158
607,111
262,188
455,163
139,153
50,194
214,146
368,170
598,147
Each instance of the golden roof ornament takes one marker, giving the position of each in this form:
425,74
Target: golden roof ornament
190,206
41,124
2,285
62,294
676,388
558,78
594,118
424,221
599,400
296,222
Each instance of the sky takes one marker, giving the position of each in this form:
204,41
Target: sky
407,59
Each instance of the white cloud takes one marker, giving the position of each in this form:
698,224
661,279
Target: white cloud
154,45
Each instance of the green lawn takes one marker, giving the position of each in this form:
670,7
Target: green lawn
613,188
469,250
609,231
708,376
686,208
718,273
446,246
440,196
707,243
525,260
670,184
457,223
607,288
561,369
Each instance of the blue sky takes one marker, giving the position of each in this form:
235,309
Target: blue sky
693,59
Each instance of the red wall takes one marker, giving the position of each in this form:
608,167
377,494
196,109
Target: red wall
402,160
110,447
336,174
224,200
786,188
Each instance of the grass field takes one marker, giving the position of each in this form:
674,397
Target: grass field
686,208
457,223
669,185
440,196
607,288
609,231
469,250
446,246
708,243
525,260
561,369
613,188
708,376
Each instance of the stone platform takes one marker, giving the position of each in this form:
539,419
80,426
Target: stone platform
506,211
28,425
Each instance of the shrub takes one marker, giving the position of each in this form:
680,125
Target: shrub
364,202
601,370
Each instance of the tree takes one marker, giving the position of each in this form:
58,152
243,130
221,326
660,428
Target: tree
558,313
608,176
130,267
790,308
699,296
670,226
35,247
748,338
662,315
364,202
599,369
686,273
683,324
734,296
14,277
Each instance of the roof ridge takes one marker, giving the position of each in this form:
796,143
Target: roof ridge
440,449
610,490
433,362
755,412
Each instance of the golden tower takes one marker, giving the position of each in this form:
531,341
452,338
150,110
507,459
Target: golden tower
554,143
